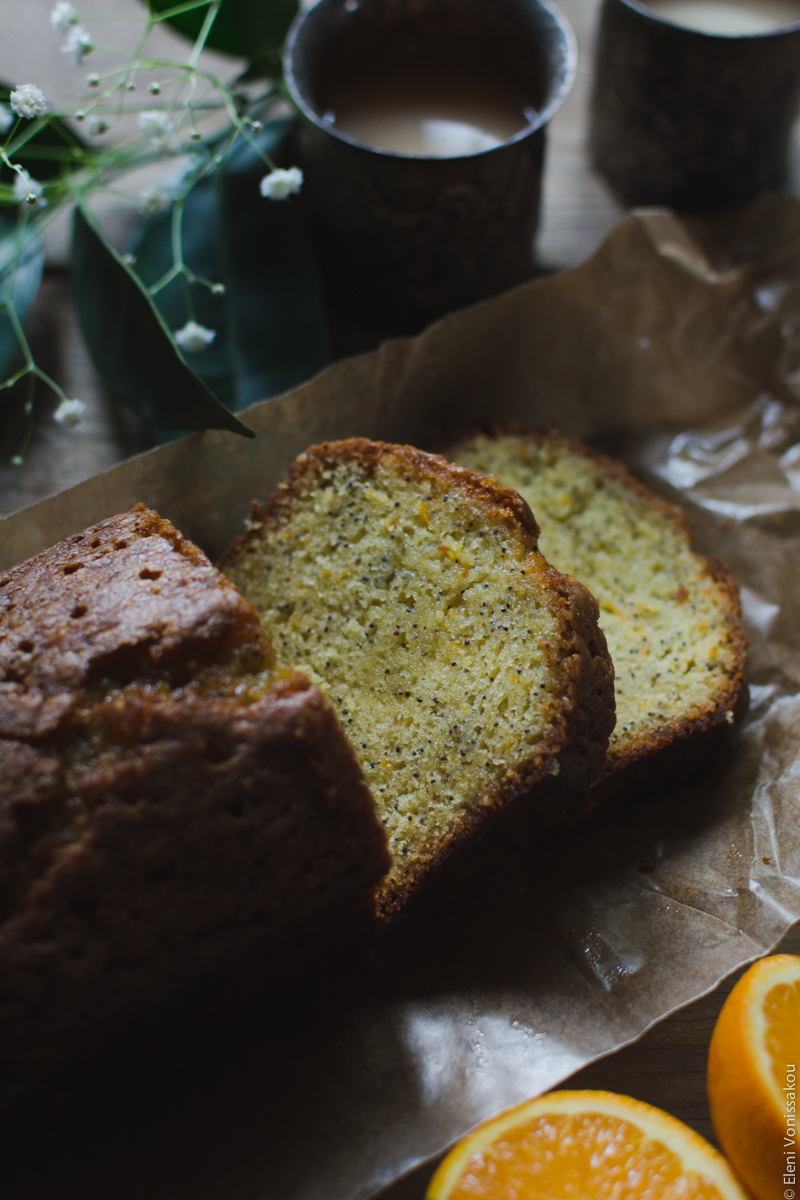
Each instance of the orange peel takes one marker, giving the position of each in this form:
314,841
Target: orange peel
584,1145
753,1062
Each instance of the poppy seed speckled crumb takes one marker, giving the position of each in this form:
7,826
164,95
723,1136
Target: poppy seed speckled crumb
470,676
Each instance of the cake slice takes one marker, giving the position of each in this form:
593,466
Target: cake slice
671,619
172,805
470,676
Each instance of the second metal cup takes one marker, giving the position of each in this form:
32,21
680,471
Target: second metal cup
696,121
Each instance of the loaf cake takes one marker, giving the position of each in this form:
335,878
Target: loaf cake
671,619
170,801
469,675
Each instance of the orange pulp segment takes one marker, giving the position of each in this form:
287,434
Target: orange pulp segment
753,1061
584,1145
781,1011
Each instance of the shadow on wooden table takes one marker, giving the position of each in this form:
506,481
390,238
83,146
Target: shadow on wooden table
196,1115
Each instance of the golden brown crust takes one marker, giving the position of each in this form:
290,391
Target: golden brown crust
680,747
618,472
615,470
169,803
506,504
549,787
130,596
573,752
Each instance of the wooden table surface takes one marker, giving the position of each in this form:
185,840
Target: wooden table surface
577,212
667,1066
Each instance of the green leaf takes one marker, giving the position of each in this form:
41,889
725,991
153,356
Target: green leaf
131,344
276,309
23,247
271,323
47,147
251,29
152,251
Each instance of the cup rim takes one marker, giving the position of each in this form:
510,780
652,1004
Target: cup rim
644,9
555,101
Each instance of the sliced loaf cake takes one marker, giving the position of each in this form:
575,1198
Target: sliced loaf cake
470,676
671,619
171,803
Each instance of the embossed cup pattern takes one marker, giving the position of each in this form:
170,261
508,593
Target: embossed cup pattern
696,121
404,238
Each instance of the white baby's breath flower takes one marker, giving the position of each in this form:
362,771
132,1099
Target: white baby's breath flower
155,123
194,338
62,16
159,126
28,190
78,42
6,119
153,201
281,183
69,412
28,101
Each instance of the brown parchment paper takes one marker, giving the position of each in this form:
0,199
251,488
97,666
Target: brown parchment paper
679,350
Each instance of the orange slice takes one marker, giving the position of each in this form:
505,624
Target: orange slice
753,1062
584,1146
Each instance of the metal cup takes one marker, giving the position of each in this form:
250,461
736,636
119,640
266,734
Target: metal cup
696,121
405,238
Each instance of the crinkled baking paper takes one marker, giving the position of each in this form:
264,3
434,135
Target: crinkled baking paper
679,350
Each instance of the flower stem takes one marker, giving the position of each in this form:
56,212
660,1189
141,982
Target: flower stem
19,457
202,37
19,334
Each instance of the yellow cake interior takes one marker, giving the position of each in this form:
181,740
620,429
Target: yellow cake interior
426,623
663,614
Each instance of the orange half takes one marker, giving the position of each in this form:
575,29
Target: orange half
753,1061
584,1146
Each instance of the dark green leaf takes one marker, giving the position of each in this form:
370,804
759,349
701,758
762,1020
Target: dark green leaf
152,249
279,329
130,342
27,278
50,146
252,29
271,325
